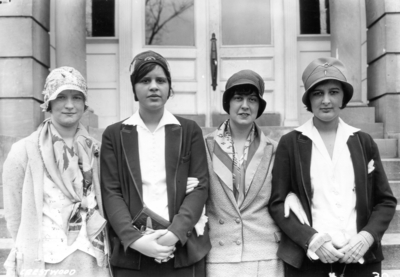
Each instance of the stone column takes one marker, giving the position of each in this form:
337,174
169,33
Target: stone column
24,63
71,34
383,57
346,41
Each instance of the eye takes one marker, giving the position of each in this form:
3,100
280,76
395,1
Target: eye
254,99
78,97
316,93
60,97
144,80
237,97
161,80
334,91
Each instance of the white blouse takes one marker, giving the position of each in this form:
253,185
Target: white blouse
333,184
152,162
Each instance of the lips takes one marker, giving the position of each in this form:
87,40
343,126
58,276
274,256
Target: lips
154,96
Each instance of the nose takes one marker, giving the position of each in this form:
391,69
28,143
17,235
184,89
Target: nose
245,104
326,100
69,103
153,85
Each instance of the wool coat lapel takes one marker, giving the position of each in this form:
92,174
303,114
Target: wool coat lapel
360,176
260,175
305,151
130,146
228,190
173,144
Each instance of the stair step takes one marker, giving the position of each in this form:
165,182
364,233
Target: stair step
387,273
395,186
394,226
375,130
3,227
387,147
5,247
391,251
392,168
353,115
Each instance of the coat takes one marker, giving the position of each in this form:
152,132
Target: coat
122,190
245,233
375,204
23,174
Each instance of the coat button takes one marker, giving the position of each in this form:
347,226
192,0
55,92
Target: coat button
237,220
221,221
189,233
221,243
238,242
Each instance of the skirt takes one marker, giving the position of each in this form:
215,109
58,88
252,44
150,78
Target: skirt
267,268
150,268
319,269
78,264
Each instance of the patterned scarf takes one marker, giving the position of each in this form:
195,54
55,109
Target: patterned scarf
226,162
71,169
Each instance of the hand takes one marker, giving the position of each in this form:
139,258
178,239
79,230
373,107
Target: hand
292,202
168,239
327,253
356,248
192,182
148,245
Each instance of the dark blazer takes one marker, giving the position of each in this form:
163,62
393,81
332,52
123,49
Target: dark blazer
121,184
375,202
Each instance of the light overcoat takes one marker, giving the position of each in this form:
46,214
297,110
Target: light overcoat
245,233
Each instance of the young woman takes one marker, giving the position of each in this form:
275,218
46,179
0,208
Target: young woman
52,197
337,173
243,235
145,164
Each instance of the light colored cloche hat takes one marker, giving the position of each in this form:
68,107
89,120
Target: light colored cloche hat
326,68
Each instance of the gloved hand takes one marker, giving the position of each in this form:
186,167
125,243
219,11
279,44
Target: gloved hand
356,248
292,203
321,247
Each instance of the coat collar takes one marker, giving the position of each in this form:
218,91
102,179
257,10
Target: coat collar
173,145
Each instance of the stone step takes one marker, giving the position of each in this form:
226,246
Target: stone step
387,147
353,115
387,273
395,186
392,168
374,129
5,247
394,226
391,251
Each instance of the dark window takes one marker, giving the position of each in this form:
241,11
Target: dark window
314,17
102,18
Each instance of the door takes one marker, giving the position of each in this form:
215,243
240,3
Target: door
181,31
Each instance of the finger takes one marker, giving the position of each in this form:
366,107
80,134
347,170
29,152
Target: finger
159,233
188,190
193,179
287,209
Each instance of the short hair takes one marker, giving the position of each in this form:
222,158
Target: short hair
144,70
345,95
245,89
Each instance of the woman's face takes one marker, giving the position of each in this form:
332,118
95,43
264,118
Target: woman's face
243,109
326,100
152,90
67,109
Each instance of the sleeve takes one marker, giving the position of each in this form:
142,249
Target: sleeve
191,209
115,207
282,184
382,202
14,169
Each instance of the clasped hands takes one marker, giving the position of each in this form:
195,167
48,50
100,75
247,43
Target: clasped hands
158,244
330,252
